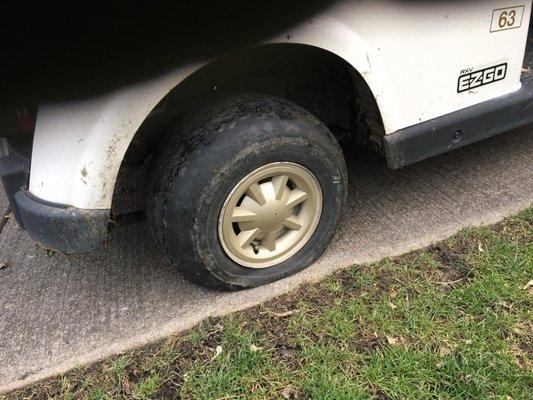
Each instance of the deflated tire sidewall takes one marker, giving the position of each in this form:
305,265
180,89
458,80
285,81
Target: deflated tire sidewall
192,203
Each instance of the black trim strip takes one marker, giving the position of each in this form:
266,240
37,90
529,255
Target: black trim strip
461,127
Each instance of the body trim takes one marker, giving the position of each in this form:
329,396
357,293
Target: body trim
460,128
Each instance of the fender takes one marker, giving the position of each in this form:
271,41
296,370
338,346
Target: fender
93,135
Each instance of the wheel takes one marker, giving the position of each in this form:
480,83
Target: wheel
245,192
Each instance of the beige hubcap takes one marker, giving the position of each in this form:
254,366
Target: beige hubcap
270,215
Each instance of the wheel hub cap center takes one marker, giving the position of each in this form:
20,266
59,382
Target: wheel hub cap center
272,215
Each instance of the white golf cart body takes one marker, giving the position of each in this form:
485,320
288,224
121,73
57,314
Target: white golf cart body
420,60
409,53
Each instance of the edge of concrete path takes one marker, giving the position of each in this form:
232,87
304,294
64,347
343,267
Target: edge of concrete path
268,292
4,217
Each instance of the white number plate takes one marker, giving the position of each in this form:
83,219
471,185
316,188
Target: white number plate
506,18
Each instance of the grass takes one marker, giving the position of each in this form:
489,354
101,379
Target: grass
448,322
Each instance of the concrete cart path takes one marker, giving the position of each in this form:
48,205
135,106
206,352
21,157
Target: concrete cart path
57,311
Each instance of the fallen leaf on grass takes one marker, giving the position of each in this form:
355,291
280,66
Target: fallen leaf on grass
290,392
505,304
444,351
285,314
218,350
392,340
395,341
254,348
392,305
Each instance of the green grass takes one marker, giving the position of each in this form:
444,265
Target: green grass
449,322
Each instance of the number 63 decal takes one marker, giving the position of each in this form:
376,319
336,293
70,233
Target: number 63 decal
506,18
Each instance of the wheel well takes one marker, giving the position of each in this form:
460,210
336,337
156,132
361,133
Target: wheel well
315,79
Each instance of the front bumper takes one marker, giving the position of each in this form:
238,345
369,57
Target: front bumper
55,226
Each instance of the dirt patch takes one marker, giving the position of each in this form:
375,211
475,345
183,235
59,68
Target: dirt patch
454,268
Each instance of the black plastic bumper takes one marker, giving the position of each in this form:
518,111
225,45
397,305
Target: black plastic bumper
63,228
460,128
54,226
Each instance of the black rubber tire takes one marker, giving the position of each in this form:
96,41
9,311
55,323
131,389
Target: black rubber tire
206,155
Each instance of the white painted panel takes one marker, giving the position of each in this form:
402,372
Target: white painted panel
411,53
